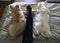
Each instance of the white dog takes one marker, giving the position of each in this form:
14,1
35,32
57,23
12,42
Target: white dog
41,21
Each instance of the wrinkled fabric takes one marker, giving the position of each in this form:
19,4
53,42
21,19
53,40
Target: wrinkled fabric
54,9
6,20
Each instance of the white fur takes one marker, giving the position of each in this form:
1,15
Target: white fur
41,21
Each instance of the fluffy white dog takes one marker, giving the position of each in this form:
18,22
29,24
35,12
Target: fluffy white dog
41,21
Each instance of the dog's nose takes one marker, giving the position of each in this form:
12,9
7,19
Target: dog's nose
36,34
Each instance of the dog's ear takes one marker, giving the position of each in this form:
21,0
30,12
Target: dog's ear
17,6
11,7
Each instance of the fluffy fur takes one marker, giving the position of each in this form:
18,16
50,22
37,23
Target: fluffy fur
41,22
18,21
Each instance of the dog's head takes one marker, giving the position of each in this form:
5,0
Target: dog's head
14,10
